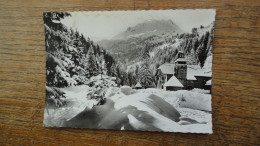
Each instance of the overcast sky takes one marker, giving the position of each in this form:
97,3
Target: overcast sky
98,25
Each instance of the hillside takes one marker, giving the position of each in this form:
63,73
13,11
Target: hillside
164,39
131,41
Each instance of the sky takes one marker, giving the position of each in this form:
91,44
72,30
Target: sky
98,25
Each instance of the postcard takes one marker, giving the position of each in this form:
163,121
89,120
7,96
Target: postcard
147,70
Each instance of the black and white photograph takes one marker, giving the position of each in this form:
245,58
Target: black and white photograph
145,70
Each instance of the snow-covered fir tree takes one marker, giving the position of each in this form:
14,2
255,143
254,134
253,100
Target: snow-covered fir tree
91,67
202,50
145,74
103,65
57,60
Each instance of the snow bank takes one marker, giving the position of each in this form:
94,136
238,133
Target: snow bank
194,99
199,116
168,96
127,90
111,92
135,123
202,91
76,102
128,109
161,115
116,93
145,102
195,128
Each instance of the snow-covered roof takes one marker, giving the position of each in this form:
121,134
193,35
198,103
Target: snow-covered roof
181,59
55,21
192,70
167,68
196,70
204,74
208,82
190,76
174,82
138,85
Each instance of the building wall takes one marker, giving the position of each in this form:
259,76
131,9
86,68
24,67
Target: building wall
190,84
183,82
208,87
173,88
201,81
181,71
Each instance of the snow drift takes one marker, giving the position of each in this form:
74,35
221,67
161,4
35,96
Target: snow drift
194,99
127,109
134,112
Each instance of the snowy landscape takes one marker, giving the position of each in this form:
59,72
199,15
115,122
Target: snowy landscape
148,73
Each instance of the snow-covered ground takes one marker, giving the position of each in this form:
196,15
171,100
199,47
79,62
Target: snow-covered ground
76,102
190,104
129,109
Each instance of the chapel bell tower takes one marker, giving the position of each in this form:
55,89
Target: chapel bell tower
180,66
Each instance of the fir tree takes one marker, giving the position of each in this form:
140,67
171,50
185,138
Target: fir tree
98,60
202,49
91,69
210,42
102,63
196,44
113,70
145,53
192,57
117,73
131,79
145,74
104,67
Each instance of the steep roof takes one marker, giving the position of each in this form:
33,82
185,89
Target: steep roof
138,85
208,82
191,71
167,68
181,59
190,76
196,70
174,82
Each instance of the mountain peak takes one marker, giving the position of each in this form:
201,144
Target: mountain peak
148,28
